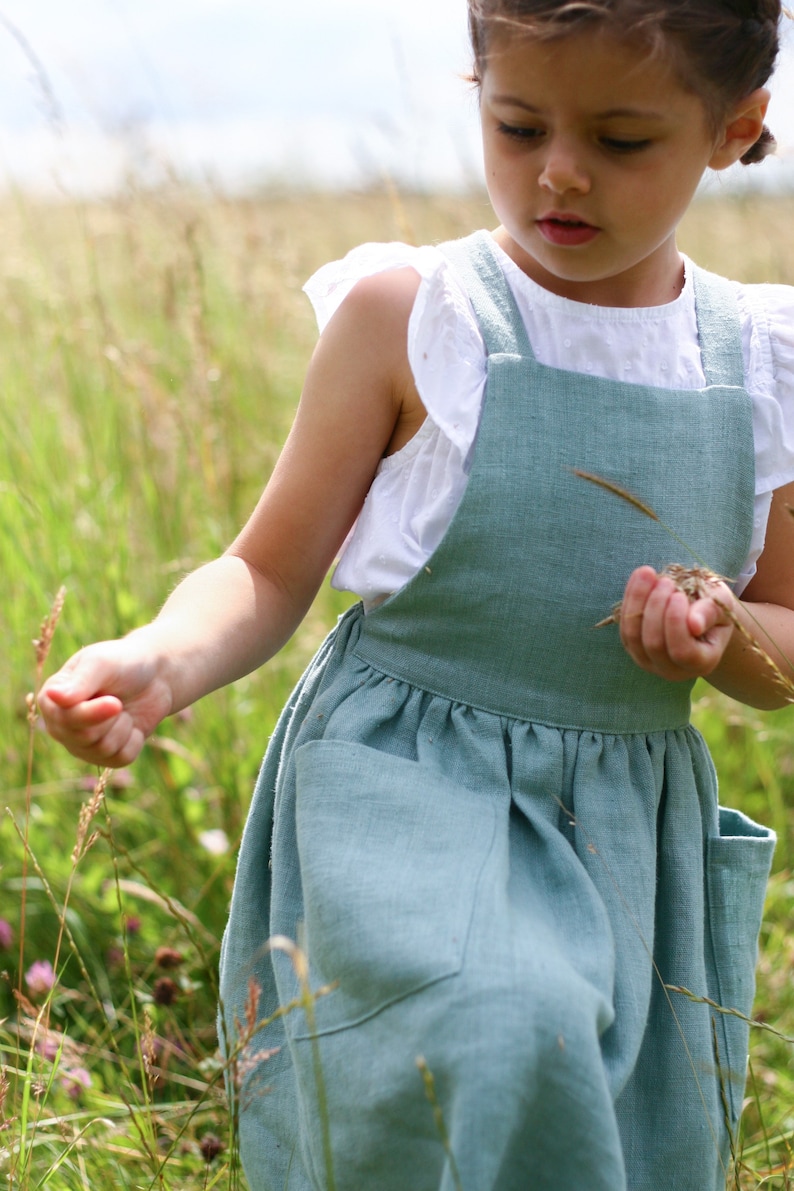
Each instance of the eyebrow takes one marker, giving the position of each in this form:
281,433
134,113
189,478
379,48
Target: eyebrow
612,113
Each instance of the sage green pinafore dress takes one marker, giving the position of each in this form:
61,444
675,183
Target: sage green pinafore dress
499,836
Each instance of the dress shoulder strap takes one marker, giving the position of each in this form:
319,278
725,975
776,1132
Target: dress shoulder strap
477,266
719,329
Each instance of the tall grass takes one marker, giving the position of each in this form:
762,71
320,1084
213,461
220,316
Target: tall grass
151,353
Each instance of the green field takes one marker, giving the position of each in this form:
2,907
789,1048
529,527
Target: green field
151,354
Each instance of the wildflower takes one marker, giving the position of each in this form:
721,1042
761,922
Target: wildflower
133,924
40,978
168,957
6,934
210,1146
216,841
165,991
48,1045
75,1081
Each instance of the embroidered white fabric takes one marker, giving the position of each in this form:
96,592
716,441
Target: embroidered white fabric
417,490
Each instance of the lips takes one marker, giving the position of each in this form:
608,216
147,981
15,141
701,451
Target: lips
566,230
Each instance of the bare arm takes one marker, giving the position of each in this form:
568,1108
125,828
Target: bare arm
667,635
767,611
359,402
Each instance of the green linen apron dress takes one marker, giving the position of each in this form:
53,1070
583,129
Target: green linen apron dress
498,838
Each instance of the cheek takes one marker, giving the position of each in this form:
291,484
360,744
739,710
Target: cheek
505,173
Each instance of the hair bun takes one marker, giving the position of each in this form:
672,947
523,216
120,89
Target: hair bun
765,145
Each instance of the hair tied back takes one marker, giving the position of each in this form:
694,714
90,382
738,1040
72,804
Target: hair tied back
723,50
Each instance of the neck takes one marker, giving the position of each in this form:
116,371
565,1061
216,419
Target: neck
655,281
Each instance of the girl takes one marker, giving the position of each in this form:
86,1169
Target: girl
492,828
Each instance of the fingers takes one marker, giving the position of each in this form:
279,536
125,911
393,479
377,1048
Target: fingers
100,732
88,719
666,634
96,730
79,713
84,676
705,615
116,747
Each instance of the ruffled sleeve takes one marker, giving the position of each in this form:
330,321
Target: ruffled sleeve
768,329
445,348
416,490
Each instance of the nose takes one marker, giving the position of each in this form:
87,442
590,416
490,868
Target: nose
563,169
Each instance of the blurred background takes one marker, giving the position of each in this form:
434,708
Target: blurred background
244,95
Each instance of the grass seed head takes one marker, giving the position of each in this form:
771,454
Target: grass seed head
697,583
252,1005
88,812
616,490
48,625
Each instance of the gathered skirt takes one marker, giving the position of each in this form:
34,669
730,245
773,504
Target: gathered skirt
500,915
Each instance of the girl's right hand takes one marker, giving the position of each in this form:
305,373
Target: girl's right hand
105,701
359,403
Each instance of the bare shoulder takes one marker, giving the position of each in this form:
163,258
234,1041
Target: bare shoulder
389,293
375,314
366,343
357,401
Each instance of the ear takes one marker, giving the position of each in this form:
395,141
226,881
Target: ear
742,128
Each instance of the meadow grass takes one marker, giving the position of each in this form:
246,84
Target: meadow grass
151,353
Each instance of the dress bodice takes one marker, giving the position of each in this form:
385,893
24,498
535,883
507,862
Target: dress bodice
538,556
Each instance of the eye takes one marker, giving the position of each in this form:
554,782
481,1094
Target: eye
622,145
519,133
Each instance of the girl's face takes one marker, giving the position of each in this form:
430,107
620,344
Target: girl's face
593,151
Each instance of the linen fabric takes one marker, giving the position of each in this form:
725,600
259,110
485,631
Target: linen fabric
417,489
497,839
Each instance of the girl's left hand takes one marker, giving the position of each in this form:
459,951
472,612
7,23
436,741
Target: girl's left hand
666,634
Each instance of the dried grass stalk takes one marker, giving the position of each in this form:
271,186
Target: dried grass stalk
783,681
88,813
42,644
616,490
697,583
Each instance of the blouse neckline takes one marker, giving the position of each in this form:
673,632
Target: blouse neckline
536,295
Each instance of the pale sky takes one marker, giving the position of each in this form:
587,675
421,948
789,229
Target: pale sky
248,91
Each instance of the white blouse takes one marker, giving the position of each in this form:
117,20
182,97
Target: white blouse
416,491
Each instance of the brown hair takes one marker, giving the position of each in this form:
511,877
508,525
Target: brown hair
722,49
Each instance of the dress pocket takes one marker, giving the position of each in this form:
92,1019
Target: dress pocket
737,869
391,854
